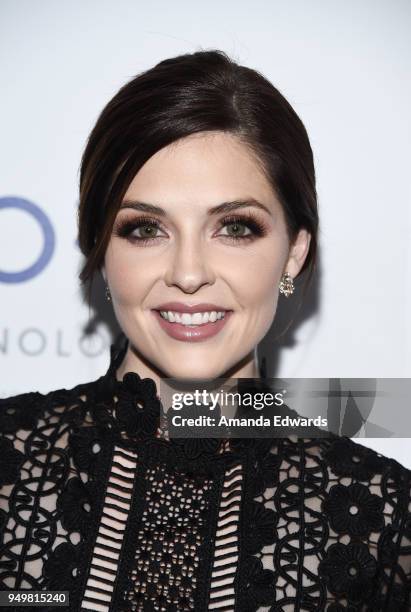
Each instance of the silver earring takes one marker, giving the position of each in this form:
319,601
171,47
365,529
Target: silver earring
108,295
286,285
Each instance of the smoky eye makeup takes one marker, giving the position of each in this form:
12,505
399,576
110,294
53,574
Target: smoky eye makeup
125,228
143,230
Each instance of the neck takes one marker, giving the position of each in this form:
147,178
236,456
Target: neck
134,362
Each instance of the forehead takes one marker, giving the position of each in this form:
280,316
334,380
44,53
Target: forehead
209,166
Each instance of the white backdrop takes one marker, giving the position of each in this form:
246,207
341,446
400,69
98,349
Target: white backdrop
344,66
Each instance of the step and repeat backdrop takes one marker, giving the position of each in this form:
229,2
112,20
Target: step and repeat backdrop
342,66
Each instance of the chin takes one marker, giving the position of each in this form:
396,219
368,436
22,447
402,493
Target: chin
193,373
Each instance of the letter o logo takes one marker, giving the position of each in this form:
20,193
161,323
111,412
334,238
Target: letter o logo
48,240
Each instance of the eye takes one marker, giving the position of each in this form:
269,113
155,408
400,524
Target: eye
144,230
236,229
146,227
237,224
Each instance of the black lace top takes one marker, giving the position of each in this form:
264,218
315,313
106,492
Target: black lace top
93,501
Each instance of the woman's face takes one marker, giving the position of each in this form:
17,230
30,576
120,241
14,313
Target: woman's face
232,259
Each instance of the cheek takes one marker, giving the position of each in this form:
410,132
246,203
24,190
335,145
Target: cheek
128,278
257,282
259,275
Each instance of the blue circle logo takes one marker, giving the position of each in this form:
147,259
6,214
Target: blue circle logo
48,240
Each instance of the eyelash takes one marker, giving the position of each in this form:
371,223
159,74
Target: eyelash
125,228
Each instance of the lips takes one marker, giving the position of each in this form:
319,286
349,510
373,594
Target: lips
189,333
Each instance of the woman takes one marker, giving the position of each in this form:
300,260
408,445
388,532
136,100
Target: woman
197,195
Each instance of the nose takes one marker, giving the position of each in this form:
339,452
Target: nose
189,267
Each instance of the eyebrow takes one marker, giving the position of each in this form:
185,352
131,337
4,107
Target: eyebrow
220,208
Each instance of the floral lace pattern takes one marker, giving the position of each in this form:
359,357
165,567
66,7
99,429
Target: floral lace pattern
320,524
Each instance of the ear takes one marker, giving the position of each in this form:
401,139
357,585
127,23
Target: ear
103,273
298,253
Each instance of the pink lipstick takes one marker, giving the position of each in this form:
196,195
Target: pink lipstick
191,333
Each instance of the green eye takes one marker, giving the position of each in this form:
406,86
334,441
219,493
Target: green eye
237,228
147,230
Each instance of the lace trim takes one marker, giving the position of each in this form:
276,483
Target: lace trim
226,550
110,538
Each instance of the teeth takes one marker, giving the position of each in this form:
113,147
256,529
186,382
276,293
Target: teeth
197,318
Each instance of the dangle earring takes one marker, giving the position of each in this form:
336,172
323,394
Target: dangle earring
286,285
108,295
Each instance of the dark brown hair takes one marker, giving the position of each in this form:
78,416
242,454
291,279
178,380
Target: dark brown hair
187,94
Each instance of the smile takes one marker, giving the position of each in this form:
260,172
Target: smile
192,327
196,318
